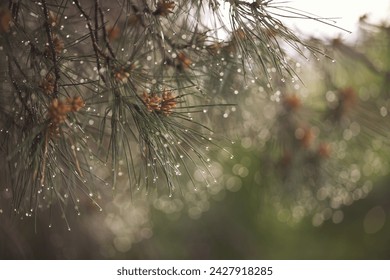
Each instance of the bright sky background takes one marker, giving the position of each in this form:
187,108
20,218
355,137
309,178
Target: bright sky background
346,12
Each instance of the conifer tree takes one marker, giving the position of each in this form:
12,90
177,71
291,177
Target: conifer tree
125,106
94,92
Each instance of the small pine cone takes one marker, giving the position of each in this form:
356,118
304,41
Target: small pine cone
121,76
164,8
286,159
348,97
5,20
185,62
168,102
63,109
215,48
305,136
324,150
239,34
53,19
291,102
153,103
167,95
58,47
113,33
76,103
308,138
145,97
58,111
47,84
166,109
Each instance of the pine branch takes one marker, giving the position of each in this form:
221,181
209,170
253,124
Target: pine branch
135,100
54,57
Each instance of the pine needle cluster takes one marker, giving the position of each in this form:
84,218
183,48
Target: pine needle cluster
94,92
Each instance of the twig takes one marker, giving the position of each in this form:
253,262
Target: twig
14,8
96,18
52,48
77,162
105,36
95,45
43,165
18,90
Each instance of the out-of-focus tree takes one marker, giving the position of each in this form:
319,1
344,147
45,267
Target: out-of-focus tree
124,107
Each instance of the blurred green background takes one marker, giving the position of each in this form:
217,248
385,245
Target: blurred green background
237,227
242,222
